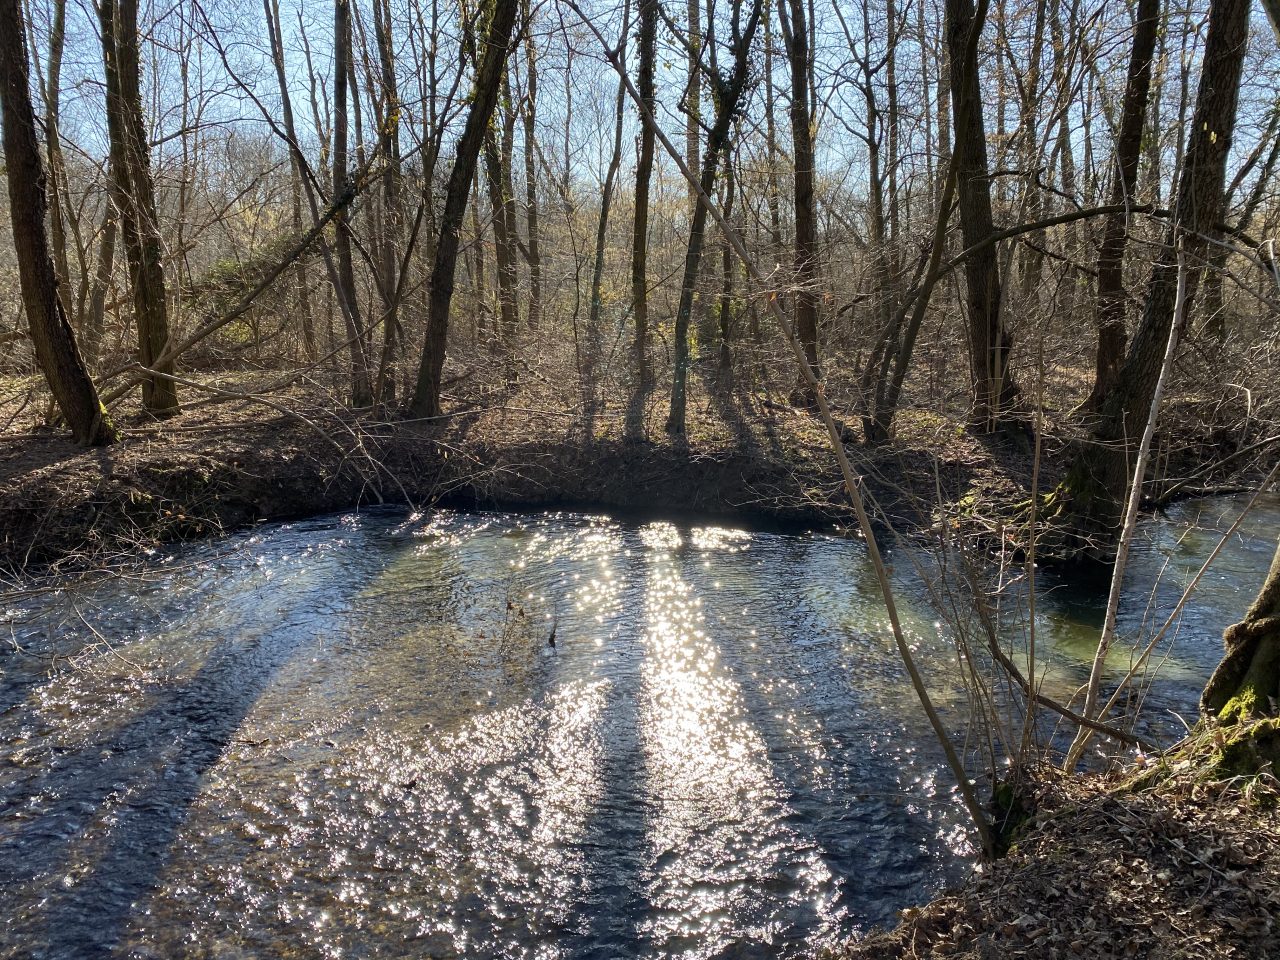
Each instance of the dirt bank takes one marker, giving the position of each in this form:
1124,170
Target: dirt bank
1186,868
216,468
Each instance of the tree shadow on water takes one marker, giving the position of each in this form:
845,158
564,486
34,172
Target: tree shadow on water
111,810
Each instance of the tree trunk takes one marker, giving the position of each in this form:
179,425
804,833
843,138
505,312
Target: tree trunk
592,351
96,310
51,334
345,287
534,253
393,212
1110,309
647,53
1246,684
135,194
993,389
1089,497
503,247
426,398
727,98
795,36
693,95
53,143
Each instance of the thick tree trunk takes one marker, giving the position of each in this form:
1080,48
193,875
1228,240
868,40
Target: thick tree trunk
51,335
989,342
135,195
1246,684
1088,499
426,398
1110,309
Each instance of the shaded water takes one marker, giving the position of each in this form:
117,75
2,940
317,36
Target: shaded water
351,737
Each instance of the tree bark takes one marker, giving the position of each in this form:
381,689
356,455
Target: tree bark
1089,497
591,353
503,247
647,54
345,286
135,195
1110,308
51,334
426,398
1246,684
727,98
795,36
393,205
993,388
534,252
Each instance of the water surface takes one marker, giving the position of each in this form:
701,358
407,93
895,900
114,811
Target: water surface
354,736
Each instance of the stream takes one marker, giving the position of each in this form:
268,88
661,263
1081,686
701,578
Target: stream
497,735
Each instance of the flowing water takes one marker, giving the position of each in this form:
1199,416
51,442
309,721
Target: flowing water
514,736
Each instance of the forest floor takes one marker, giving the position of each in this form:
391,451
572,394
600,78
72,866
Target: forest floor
226,462
1182,869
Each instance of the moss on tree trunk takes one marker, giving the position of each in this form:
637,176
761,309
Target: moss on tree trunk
1246,684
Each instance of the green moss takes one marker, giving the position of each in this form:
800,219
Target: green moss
1248,751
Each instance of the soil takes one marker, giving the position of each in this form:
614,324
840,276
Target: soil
215,468
223,465
1188,867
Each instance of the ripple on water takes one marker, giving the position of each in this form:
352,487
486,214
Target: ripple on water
489,735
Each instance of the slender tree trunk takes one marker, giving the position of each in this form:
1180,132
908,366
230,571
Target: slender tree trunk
591,353
95,312
693,95
51,334
534,257
502,241
772,186
724,368
53,141
345,288
647,54
135,194
426,399
393,212
726,106
795,36
1110,309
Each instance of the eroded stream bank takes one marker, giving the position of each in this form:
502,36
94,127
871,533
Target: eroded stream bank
352,734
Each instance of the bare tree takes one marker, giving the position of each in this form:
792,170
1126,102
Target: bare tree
1111,302
484,97
134,192
51,333
728,94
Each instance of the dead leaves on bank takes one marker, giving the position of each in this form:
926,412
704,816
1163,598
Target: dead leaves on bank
1187,869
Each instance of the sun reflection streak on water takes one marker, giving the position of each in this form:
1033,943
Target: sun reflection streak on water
716,829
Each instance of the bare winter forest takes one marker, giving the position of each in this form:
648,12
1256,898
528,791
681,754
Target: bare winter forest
974,214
